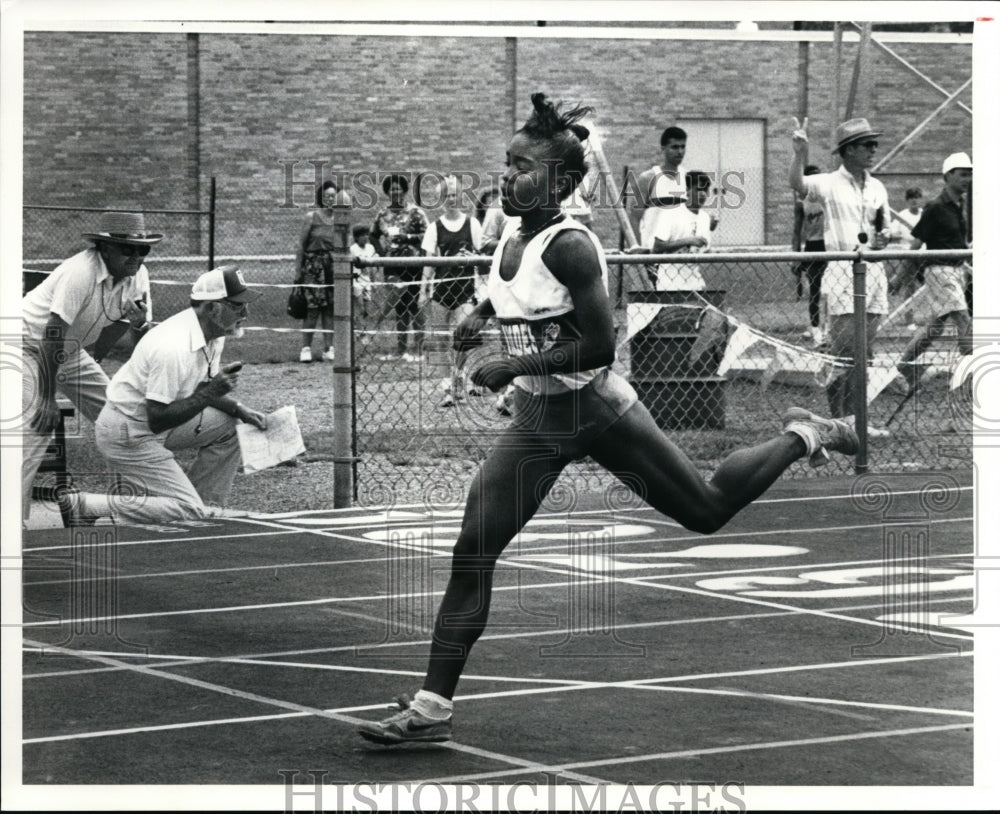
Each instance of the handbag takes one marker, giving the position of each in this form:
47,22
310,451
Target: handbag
298,308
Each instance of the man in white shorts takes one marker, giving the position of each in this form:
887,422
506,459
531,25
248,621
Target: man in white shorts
855,214
942,225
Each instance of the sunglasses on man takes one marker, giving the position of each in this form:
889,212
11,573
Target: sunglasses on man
128,250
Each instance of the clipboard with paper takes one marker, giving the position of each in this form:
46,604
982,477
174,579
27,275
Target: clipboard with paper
281,441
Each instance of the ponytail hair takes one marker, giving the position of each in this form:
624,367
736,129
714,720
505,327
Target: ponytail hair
563,136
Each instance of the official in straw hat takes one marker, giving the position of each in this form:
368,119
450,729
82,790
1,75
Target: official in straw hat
88,301
856,215
174,393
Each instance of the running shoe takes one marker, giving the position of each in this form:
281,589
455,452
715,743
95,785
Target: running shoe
306,355
831,433
329,356
406,726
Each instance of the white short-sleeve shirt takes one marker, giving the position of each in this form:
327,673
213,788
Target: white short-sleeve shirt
82,293
848,208
168,363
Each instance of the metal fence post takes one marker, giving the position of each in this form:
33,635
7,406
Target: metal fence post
343,382
211,224
861,364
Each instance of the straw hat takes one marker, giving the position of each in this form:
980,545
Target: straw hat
123,227
851,131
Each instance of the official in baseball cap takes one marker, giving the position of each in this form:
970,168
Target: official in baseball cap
223,283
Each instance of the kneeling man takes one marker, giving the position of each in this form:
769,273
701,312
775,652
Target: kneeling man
173,394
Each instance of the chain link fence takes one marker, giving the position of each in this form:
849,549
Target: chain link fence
716,367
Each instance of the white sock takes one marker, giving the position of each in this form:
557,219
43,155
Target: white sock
431,705
807,433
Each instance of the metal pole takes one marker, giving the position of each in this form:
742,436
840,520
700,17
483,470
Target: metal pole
860,366
866,78
852,91
887,50
343,384
920,127
803,105
211,224
838,49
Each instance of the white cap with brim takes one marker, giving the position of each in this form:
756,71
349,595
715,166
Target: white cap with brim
956,161
222,283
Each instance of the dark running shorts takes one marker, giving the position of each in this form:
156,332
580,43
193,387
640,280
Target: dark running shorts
572,421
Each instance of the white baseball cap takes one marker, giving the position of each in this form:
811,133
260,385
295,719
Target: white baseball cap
222,283
956,161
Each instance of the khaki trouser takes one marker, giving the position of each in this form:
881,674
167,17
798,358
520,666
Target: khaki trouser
155,488
80,379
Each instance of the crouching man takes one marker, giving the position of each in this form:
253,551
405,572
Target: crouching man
174,394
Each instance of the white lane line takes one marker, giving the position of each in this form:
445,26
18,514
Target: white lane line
267,606
811,701
640,582
177,660
777,532
340,668
555,688
373,560
197,572
289,529
644,508
282,531
557,768
525,765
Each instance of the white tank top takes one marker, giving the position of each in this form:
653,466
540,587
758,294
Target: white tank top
535,310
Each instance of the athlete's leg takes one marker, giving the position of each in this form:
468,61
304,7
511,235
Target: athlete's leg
963,325
916,346
639,454
504,496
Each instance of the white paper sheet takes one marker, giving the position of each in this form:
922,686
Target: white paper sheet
281,441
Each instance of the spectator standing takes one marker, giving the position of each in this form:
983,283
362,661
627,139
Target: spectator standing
855,214
807,235
448,293
318,241
942,226
88,301
173,394
362,249
661,191
906,275
494,222
689,231
398,231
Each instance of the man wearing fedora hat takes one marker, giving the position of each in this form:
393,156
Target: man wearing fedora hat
856,215
173,394
88,301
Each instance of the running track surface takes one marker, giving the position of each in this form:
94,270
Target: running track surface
807,643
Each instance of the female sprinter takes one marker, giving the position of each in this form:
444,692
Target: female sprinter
548,290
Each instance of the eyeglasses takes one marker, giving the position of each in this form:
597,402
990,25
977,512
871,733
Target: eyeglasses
131,251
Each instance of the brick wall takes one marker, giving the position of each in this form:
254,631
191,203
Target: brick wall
112,118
